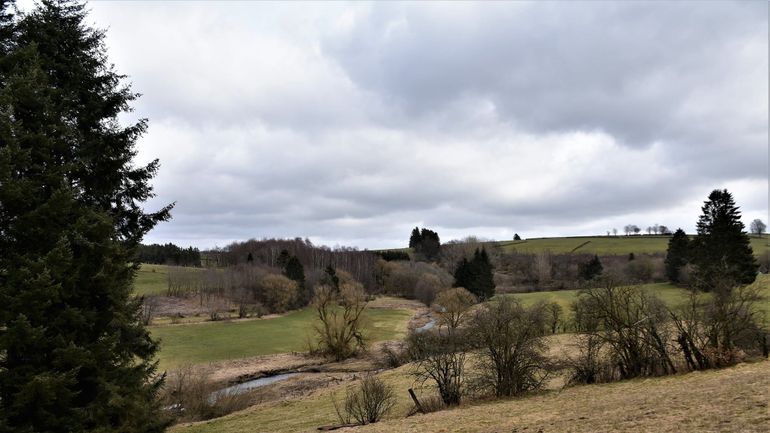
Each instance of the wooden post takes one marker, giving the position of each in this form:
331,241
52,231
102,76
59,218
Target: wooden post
416,402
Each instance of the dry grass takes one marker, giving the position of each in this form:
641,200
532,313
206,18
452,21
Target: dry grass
729,400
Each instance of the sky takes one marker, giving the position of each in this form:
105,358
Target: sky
352,123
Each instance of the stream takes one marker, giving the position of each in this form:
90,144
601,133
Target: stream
242,387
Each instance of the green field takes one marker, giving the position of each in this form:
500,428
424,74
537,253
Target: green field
216,341
151,280
604,245
668,293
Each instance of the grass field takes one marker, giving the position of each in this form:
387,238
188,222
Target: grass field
605,245
668,293
216,341
151,280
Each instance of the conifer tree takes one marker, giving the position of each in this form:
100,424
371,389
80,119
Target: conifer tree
591,269
476,275
74,355
415,239
677,255
721,252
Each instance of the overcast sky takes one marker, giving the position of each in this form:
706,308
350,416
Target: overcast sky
352,123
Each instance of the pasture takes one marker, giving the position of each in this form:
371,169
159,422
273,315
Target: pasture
604,245
216,341
151,280
668,293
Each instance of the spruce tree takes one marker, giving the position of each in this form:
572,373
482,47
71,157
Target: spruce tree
591,269
721,252
415,240
295,271
677,255
476,275
73,353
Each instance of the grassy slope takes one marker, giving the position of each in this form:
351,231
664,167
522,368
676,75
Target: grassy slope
605,245
215,341
734,399
151,280
669,293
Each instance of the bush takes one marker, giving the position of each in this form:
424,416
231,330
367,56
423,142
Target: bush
367,403
629,325
191,396
440,359
509,337
428,286
339,328
278,292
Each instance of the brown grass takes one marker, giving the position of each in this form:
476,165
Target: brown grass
729,400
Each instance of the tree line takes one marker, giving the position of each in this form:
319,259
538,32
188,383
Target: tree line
169,254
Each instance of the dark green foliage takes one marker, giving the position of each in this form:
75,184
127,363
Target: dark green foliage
631,256
721,250
516,237
677,255
390,256
330,277
425,243
73,353
169,254
429,245
250,259
282,259
591,269
476,275
295,271
415,239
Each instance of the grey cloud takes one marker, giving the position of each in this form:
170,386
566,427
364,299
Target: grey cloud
352,123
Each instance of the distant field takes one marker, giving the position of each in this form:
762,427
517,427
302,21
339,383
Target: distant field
604,245
668,293
216,341
151,280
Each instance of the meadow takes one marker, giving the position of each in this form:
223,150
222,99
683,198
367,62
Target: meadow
151,280
216,341
605,245
670,294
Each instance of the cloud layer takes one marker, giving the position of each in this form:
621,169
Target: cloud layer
352,123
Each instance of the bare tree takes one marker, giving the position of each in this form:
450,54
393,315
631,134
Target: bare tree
339,326
512,348
629,324
757,227
440,358
452,307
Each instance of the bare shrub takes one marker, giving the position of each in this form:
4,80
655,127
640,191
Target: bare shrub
554,313
452,307
182,281
394,355
149,307
278,292
339,326
512,349
191,396
589,365
440,358
366,403
428,286
629,325
719,330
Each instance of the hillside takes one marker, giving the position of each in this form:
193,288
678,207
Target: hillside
605,245
730,400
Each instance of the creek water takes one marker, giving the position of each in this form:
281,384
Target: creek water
242,387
